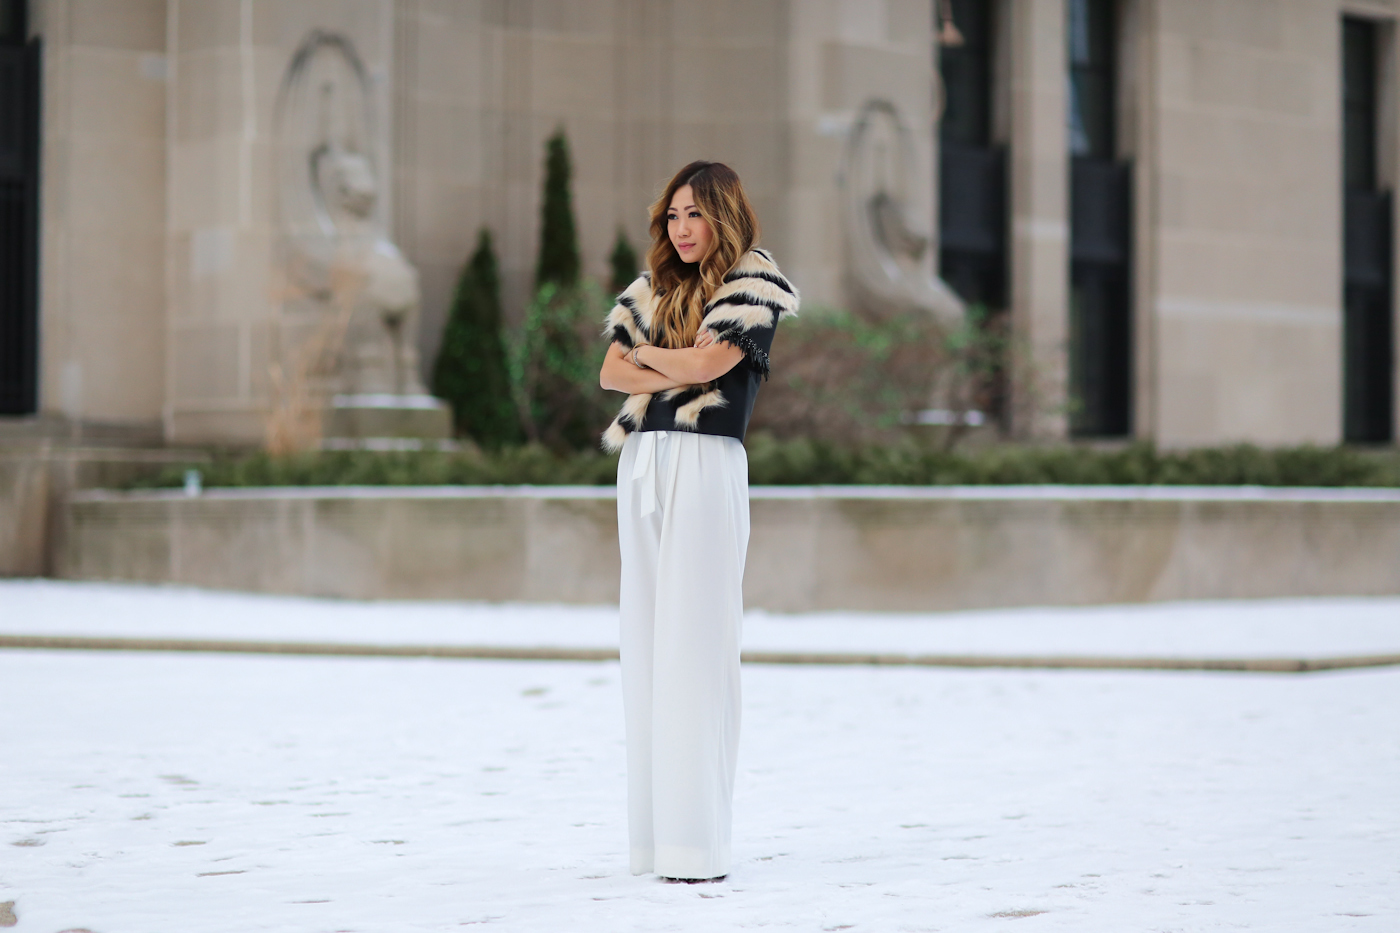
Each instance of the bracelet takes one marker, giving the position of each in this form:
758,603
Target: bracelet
635,363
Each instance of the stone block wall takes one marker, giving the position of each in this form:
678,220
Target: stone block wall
819,549
225,310
159,290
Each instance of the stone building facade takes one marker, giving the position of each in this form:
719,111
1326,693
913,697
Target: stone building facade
1226,312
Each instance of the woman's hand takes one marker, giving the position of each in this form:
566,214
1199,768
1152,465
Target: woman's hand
704,338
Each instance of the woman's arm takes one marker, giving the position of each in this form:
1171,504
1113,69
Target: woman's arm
619,375
704,362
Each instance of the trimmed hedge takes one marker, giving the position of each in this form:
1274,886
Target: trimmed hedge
1137,464
528,464
801,462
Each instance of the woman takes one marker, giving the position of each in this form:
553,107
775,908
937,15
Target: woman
690,345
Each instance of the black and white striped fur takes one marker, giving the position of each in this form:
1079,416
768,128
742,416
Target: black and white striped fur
754,295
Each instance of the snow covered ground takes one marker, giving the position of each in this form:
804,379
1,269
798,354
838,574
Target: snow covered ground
144,793
1235,628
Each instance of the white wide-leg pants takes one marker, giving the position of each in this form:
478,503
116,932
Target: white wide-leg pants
683,526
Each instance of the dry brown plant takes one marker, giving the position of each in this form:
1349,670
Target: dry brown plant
300,377
847,380
840,378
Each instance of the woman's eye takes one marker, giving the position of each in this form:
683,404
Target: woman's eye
694,213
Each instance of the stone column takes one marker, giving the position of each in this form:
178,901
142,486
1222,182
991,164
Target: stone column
1388,170
102,212
1247,258
1138,140
1039,218
219,239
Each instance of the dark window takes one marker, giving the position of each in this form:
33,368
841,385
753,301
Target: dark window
12,22
1091,78
1101,336
967,76
972,169
1368,315
1359,104
19,211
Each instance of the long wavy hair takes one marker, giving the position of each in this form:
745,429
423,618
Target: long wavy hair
681,287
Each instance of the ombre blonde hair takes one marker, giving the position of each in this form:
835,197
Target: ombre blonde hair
682,288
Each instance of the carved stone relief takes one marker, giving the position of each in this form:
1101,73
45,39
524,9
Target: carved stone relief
886,246
352,300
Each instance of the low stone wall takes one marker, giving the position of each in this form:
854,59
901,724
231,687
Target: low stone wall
887,548
36,480
513,543
24,502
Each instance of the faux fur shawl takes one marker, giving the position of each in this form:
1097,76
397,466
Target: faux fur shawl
743,311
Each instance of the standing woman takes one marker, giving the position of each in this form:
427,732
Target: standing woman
690,346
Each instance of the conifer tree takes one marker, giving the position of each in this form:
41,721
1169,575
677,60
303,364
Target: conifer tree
623,261
559,348
559,257
471,371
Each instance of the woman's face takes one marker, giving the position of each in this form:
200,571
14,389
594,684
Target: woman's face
690,233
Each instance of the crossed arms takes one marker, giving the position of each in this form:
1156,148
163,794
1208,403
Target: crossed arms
667,369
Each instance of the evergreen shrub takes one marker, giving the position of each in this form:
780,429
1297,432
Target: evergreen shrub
558,261
623,261
555,361
557,352
472,372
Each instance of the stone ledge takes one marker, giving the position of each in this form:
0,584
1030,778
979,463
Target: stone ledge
36,481
507,653
811,548
935,493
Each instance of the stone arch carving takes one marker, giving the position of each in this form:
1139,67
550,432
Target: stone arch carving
327,180
349,299
885,246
